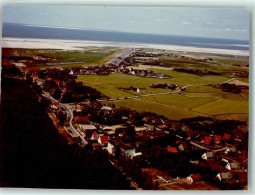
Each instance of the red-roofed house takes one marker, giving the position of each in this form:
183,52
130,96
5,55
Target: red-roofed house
194,177
226,136
146,118
6,62
55,105
172,149
103,140
217,139
167,122
94,136
208,140
81,119
33,69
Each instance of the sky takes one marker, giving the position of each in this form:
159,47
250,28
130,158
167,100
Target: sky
230,23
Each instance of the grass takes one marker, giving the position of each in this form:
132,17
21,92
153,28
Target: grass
194,101
179,101
224,106
79,56
169,111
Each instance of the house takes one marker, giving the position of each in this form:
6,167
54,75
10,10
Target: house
232,166
238,136
86,127
172,149
146,118
207,155
94,136
107,108
55,105
226,136
185,128
217,139
194,177
81,119
195,162
230,150
129,151
78,108
208,140
34,69
224,176
141,90
183,146
103,140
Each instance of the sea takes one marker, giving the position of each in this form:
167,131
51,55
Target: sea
46,32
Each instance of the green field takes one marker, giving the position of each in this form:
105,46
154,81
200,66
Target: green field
224,106
87,56
194,101
170,111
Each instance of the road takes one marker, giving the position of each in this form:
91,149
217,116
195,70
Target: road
69,117
152,94
121,57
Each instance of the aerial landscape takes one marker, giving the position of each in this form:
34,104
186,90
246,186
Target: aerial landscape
142,105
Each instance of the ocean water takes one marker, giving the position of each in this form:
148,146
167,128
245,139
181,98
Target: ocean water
46,32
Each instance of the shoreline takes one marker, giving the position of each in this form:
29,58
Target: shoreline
31,43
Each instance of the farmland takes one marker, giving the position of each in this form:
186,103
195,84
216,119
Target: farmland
198,99
194,101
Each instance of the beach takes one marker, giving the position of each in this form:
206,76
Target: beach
81,44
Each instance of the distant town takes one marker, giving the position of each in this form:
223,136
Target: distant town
191,153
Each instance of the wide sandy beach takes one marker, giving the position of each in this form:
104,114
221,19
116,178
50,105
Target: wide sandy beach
81,44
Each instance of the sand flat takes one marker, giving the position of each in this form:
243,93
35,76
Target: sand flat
80,44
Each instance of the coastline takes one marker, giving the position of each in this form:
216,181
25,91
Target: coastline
31,43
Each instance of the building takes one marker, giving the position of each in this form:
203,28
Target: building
183,146
224,176
103,140
81,119
207,155
141,90
107,108
172,149
226,136
194,177
230,150
86,127
208,140
232,166
129,151
94,136
217,139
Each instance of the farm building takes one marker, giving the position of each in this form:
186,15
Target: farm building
194,177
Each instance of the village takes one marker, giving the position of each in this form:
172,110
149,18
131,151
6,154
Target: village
186,152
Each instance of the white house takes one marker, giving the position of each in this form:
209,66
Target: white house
230,149
129,151
141,90
232,166
86,127
106,108
224,176
207,155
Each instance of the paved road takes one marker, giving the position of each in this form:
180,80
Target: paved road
69,117
121,57
152,94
